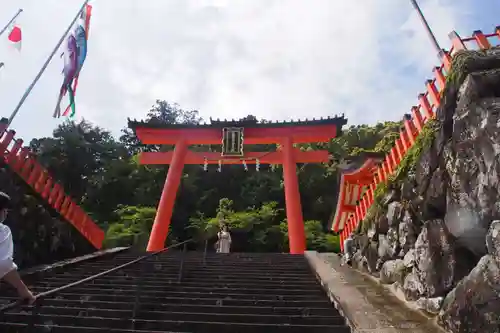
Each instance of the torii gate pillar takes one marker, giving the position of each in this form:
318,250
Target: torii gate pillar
167,201
296,233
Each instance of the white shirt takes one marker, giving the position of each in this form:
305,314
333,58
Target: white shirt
6,251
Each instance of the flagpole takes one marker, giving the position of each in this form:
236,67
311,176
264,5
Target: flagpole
44,67
426,26
10,22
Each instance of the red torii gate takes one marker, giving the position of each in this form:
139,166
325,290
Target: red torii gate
233,135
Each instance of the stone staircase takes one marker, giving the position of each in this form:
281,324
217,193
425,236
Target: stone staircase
180,292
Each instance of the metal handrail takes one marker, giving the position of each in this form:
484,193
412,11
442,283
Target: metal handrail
90,278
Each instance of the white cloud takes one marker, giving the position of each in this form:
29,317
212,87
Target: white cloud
276,59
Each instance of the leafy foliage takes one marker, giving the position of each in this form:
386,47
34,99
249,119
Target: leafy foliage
406,167
422,143
122,196
133,226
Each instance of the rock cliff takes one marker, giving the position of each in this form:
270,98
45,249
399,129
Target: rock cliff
40,235
434,229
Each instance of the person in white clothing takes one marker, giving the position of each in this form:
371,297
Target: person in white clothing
224,242
8,269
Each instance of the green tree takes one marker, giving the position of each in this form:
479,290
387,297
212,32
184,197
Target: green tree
132,227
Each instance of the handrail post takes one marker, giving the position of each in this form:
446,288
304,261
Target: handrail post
35,312
138,290
205,253
184,250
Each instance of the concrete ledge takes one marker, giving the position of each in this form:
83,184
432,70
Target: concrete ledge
29,272
367,306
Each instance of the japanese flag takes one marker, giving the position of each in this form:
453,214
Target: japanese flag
15,36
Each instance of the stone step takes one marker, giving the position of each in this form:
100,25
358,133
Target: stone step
220,294
194,270
198,282
234,300
198,259
190,276
155,315
219,256
50,322
200,293
264,309
172,266
210,256
23,328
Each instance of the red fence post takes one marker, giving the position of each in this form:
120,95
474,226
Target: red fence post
23,155
35,173
400,148
352,224
409,130
47,188
381,173
40,182
440,78
456,41
11,157
394,157
59,200
446,60
77,217
481,40
388,162
404,141
425,106
64,205
372,192
364,209
6,140
433,93
4,124
368,202
27,167
70,212
417,119
73,213
357,212
385,170
53,192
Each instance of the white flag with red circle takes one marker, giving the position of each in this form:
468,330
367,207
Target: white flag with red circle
16,37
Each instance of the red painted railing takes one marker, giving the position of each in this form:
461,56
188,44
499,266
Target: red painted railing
24,163
428,102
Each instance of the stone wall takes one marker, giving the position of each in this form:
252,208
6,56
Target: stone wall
434,230
40,235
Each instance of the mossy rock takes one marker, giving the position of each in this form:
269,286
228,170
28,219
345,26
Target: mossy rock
469,61
463,63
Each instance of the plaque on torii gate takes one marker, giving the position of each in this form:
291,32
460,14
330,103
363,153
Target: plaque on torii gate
232,136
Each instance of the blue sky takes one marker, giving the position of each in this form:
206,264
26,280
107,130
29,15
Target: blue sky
485,15
276,59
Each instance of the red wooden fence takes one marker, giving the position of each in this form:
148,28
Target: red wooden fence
428,102
24,163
